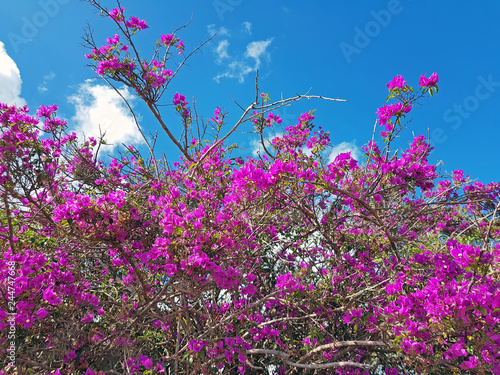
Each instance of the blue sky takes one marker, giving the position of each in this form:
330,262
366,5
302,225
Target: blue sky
347,50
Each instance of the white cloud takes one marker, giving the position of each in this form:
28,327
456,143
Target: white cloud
345,147
10,80
220,32
222,50
42,87
257,49
239,69
236,69
247,27
100,107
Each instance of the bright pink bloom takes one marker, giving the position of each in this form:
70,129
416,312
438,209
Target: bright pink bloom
428,82
42,314
114,40
471,363
166,39
397,82
46,111
145,361
179,99
387,111
88,318
117,14
136,23
180,46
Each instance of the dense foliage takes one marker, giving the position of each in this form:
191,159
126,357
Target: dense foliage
291,262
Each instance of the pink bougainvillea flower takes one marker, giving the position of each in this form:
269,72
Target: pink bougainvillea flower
88,318
117,14
136,23
166,39
428,82
114,40
179,99
42,313
46,111
180,46
387,111
470,364
396,82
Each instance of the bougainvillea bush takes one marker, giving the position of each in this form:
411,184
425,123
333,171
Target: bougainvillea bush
291,262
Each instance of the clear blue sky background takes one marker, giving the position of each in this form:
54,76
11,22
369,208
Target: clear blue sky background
346,50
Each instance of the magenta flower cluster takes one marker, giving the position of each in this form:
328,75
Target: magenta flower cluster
215,264
397,82
400,90
193,228
386,112
181,103
429,82
109,61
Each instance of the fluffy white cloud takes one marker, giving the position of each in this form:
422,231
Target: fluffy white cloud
247,27
345,147
257,49
240,68
221,50
100,108
10,80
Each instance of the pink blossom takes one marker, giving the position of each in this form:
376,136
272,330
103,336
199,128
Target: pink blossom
166,39
396,82
46,111
114,40
117,14
471,363
428,82
136,23
88,318
42,313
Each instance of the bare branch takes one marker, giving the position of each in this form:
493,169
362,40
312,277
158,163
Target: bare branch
312,366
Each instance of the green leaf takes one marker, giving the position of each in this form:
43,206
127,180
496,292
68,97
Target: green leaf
482,310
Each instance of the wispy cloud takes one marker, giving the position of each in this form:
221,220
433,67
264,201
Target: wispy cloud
236,69
247,27
221,50
42,87
249,62
221,31
99,108
343,148
10,80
